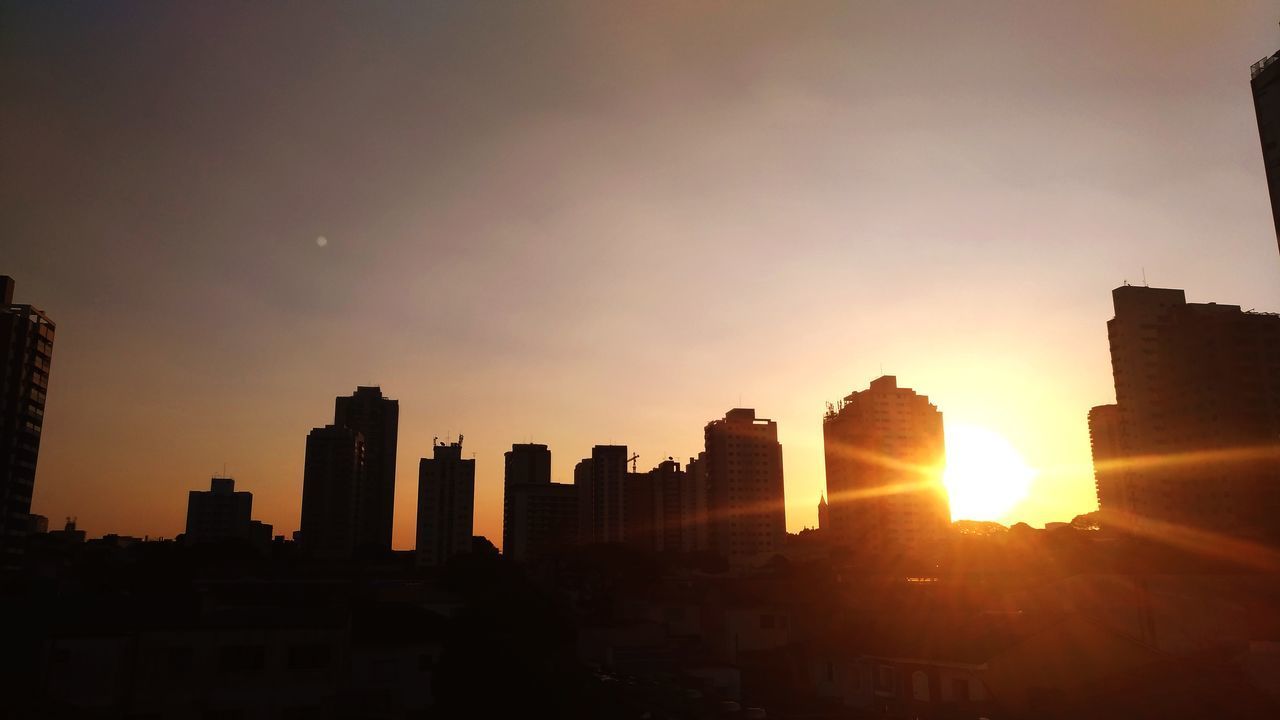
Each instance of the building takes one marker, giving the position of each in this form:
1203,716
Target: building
824,519
884,453
446,502
659,509
745,500
377,419
1108,470
601,503
694,497
1193,440
26,351
538,515
222,513
1265,81
333,471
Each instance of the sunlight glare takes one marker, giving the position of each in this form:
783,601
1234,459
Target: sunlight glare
985,475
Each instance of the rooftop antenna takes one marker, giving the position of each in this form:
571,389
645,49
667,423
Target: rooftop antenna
1144,278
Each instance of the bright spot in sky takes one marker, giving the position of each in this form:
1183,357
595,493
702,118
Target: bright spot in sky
985,475
322,241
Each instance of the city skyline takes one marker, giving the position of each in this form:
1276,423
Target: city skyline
224,334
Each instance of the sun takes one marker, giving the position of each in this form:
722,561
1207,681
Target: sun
985,475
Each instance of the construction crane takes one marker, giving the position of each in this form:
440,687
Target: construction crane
633,460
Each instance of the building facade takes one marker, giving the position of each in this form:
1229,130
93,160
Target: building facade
885,453
376,419
1265,81
745,499
333,471
538,516
446,504
26,352
1194,438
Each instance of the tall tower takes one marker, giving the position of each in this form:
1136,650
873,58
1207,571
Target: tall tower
601,500
377,419
537,514
745,500
1265,81
333,471
26,350
885,453
1193,439
446,504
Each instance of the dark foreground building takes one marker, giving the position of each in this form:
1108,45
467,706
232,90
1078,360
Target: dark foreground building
1193,440
26,350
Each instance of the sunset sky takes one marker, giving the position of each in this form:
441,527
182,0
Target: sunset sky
581,223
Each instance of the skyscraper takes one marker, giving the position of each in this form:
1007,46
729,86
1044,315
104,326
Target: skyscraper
376,418
884,453
446,503
537,514
1193,439
26,351
601,503
745,499
1265,81
333,471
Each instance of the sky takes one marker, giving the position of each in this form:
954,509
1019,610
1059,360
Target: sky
590,223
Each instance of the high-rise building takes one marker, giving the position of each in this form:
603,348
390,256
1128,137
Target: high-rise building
537,515
824,520
223,513
1265,81
601,502
658,513
333,471
693,496
377,419
26,351
884,453
446,504
1193,439
745,500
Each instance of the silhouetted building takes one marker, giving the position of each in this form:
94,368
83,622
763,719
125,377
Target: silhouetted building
376,418
1265,80
523,465
824,513
218,513
745,500
446,502
223,513
658,509
69,534
601,502
884,453
1104,441
1194,439
333,471
26,350
694,498
537,514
